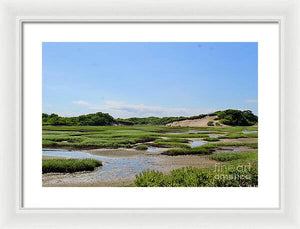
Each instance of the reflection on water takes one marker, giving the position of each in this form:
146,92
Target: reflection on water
153,150
113,168
185,132
197,143
229,151
249,132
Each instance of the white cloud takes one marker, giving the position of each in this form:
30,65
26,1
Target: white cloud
251,101
124,110
80,102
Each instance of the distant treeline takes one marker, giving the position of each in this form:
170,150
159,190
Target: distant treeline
155,120
228,117
236,117
97,119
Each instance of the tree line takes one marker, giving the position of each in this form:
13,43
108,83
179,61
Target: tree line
228,117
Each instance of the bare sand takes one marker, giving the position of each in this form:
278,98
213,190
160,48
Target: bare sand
51,157
202,122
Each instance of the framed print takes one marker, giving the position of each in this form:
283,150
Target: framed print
113,121
118,119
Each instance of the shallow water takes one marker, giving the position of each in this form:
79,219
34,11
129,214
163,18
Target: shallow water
112,169
153,150
197,143
249,132
229,151
185,132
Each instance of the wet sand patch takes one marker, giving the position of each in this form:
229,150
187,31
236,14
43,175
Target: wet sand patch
239,140
115,152
233,149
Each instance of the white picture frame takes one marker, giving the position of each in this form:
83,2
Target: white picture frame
13,14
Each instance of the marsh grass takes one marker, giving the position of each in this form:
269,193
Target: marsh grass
69,165
200,177
180,140
170,143
89,137
209,139
206,148
237,170
141,147
186,135
239,135
243,157
191,151
220,144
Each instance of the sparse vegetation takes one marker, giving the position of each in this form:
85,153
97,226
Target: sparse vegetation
141,147
210,123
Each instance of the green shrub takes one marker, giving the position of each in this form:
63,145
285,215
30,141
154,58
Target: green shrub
237,118
69,165
210,123
217,124
247,176
141,147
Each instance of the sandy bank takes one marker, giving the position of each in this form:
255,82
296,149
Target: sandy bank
202,122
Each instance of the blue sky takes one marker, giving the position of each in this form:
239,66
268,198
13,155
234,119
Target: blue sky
149,79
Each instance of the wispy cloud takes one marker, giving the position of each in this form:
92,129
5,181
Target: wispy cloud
251,101
80,102
124,110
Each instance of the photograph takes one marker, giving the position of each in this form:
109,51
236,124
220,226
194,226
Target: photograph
149,114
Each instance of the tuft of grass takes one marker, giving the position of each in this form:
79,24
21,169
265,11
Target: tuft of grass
210,123
186,135
217,123
170,143
141,147
209,139
69,165
191,151
180,140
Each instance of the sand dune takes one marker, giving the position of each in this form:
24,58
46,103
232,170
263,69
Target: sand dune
195,122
